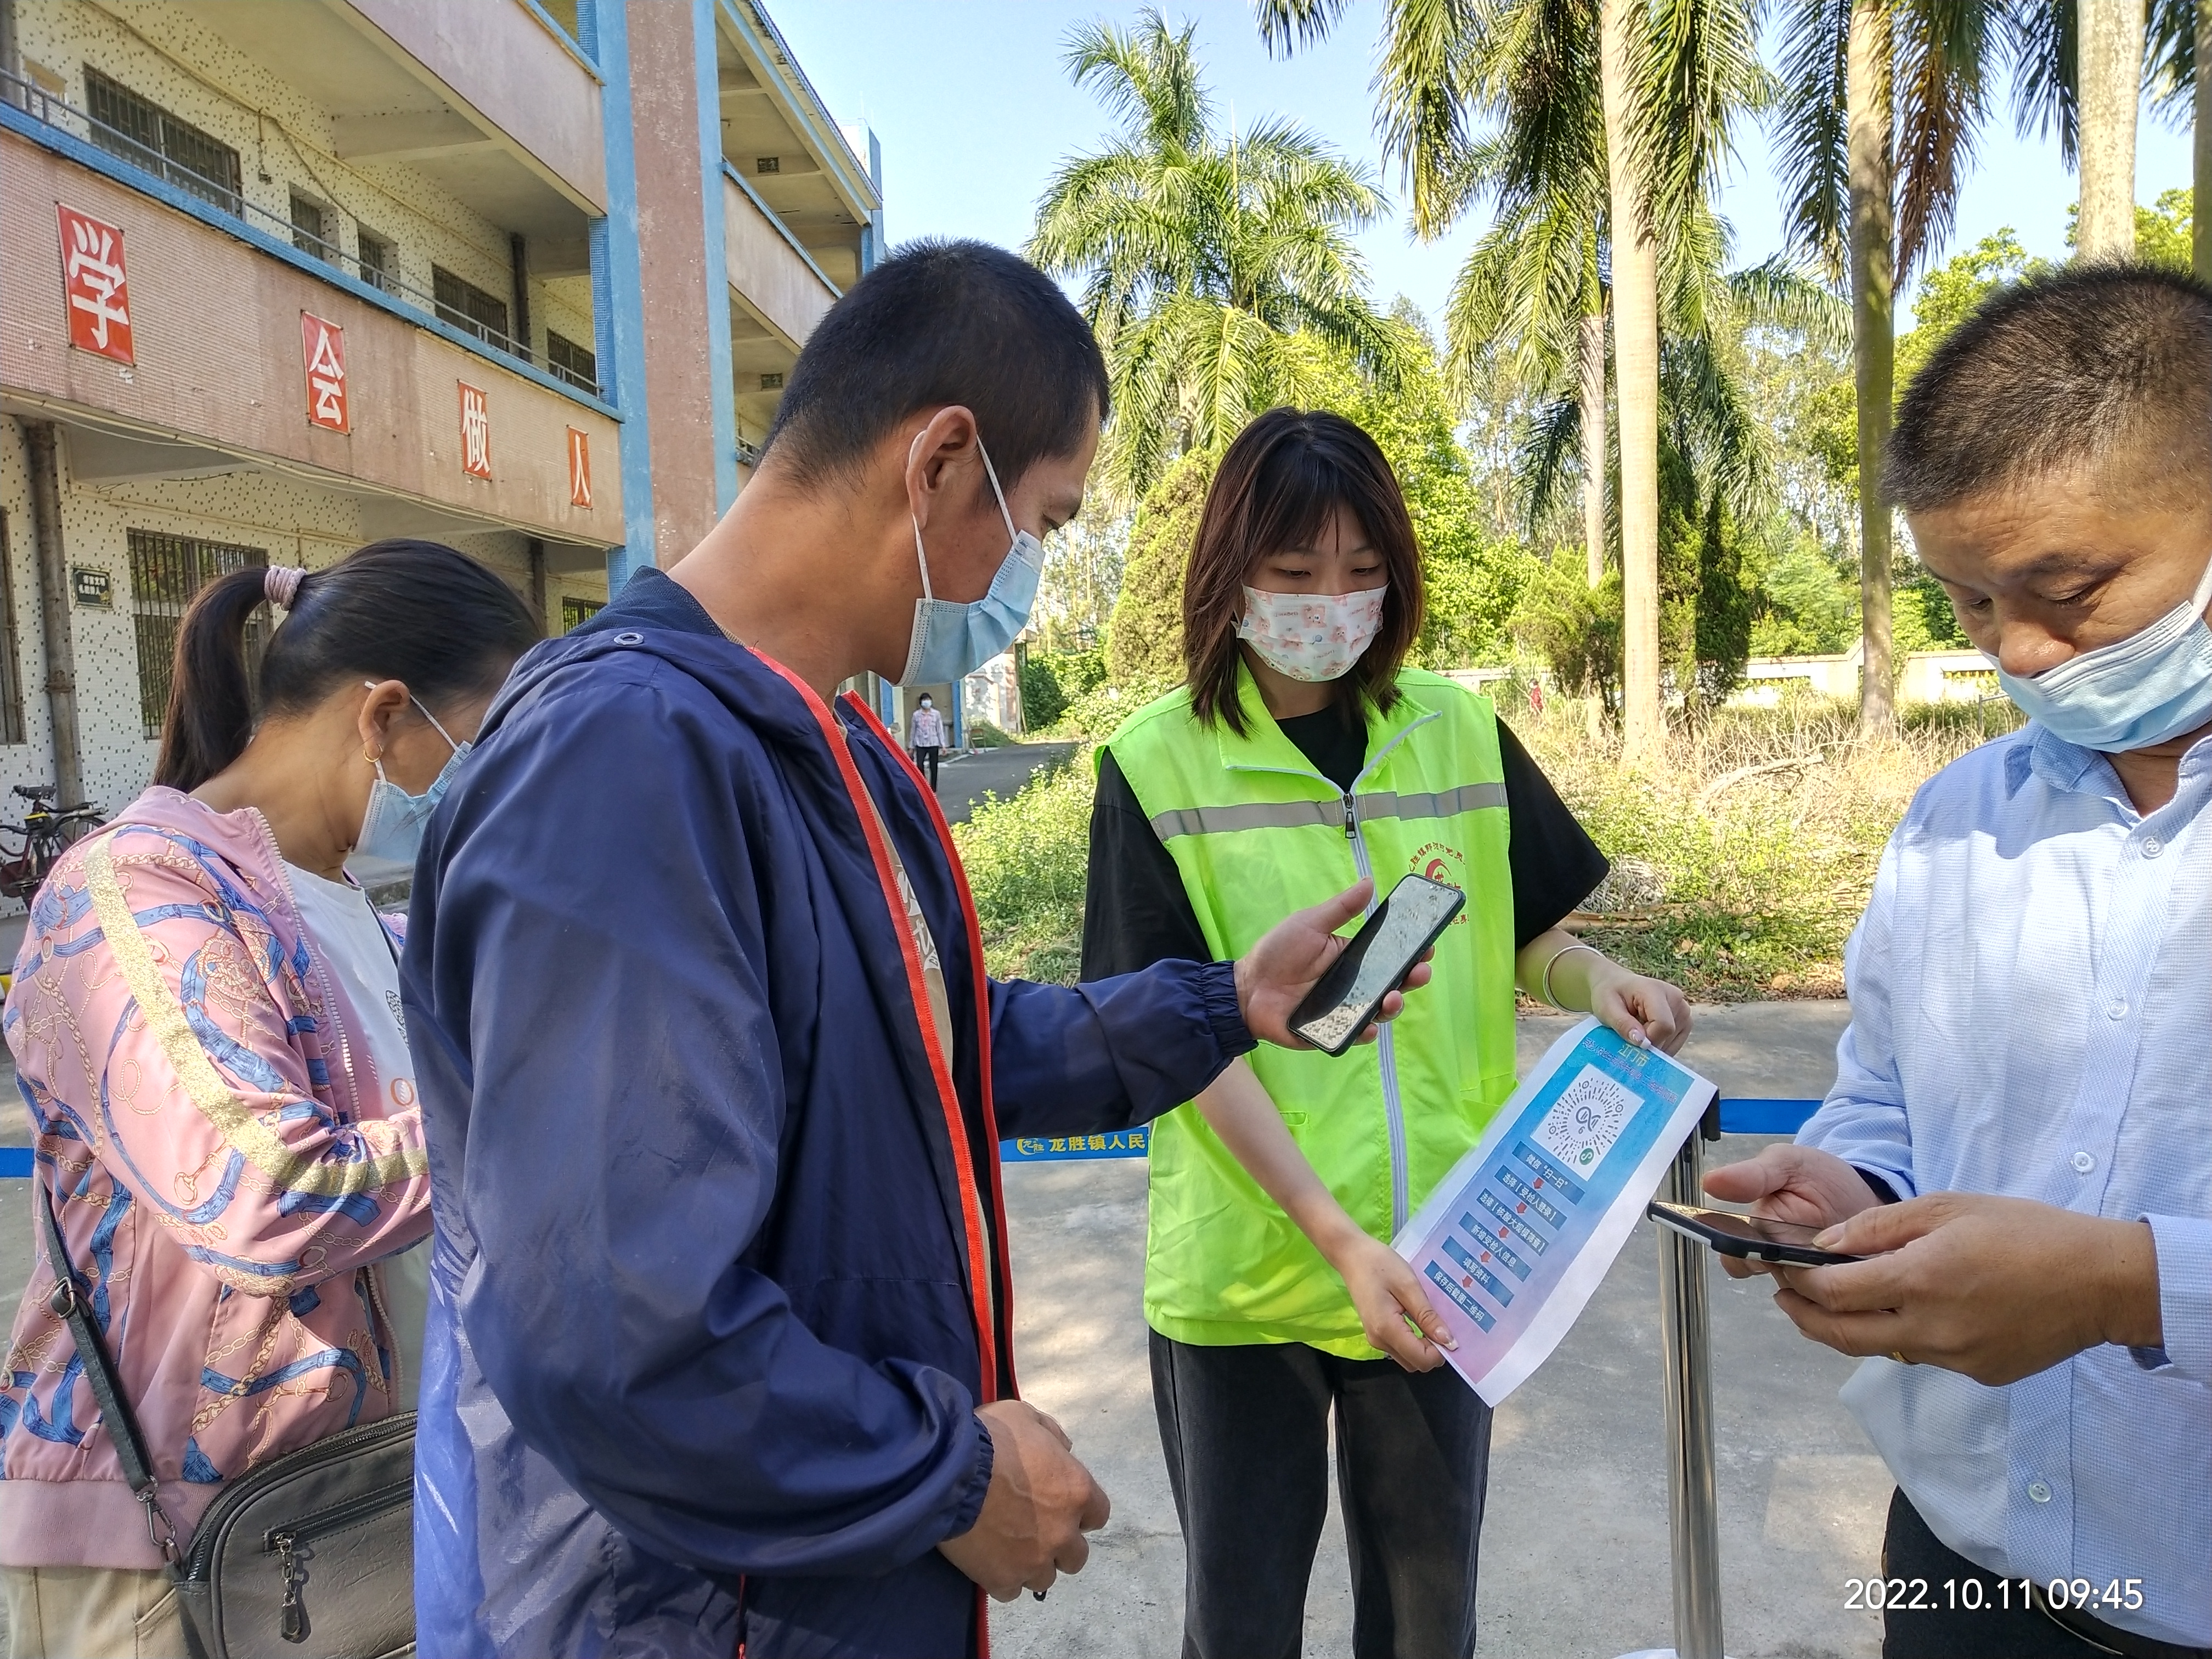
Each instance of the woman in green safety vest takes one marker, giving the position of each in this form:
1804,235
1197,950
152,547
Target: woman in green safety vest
1301,755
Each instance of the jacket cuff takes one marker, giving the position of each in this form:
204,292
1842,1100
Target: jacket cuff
979,1482
1217,993
2185,1297
1883,1192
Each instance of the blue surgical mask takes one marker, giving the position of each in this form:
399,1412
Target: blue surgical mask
392,829
951,640
2132,694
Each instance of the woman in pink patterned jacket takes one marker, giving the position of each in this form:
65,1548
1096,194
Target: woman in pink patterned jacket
205,1023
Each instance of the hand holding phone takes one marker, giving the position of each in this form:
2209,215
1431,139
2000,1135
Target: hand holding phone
1750,1237
1345,999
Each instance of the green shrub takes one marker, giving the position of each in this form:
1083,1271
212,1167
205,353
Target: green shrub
1026,860
982,734
1052,679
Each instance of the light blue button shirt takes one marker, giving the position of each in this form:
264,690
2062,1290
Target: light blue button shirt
2032,1015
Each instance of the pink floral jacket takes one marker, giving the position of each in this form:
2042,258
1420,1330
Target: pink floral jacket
226,1167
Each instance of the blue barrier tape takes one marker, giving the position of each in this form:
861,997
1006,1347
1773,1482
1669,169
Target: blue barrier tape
1766,1117
1738,1117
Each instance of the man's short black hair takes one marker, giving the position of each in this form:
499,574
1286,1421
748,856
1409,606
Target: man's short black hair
2071,369
940,323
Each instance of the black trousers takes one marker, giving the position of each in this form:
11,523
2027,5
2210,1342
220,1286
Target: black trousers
925,757
1245,1433
2002,1625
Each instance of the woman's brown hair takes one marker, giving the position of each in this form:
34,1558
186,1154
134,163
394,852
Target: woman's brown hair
1277,488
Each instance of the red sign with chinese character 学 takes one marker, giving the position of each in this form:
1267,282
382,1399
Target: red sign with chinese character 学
94,283
475,432
580,468
323,347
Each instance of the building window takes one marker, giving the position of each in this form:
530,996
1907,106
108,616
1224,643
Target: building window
314,228
578,367
380,261
11,679
141,131
166,571
464,305
575,612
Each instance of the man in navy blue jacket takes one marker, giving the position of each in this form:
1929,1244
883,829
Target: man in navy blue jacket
719,1337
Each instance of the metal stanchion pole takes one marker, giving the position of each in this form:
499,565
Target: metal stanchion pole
1694,1513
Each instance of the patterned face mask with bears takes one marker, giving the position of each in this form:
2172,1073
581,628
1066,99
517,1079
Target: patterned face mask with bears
1311,636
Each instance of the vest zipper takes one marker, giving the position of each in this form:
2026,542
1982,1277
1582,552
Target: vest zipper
1386,1054
1393,1111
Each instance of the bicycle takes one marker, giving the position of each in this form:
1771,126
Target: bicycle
47,832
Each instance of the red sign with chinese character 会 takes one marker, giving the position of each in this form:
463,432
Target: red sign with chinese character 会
322,344
580,468
94,283
475,432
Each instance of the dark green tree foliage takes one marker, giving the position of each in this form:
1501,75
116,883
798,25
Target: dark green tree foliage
1724,608
1145,642
1052,679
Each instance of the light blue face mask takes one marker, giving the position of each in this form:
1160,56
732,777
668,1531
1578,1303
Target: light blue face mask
2133,693
952,640
392,829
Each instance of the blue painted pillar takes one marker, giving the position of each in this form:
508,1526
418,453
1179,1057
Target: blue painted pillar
618,285
722,386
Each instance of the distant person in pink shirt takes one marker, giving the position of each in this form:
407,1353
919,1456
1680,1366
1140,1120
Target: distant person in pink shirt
926,735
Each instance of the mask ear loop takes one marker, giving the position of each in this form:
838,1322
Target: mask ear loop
426,714
2202,597
922,556
991,472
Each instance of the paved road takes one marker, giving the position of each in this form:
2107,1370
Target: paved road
961,784
1575,1552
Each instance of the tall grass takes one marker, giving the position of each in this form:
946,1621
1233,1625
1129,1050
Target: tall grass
1739,864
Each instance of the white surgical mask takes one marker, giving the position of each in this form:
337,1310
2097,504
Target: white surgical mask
1311,636
391,828
952,639
2133,694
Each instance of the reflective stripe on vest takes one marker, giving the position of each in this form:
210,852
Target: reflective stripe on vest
1298,814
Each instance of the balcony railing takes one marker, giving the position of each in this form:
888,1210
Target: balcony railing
222,198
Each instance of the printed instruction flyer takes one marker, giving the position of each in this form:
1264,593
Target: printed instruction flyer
1513,1241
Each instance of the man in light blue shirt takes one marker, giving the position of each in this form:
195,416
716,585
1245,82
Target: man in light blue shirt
2020,1130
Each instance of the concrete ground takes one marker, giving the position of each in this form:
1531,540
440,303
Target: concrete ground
962,784
1575,1542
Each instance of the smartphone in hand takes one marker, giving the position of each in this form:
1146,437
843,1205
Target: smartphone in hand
1344,1001
1754,1237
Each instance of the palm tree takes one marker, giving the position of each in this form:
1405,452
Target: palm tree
2179,65
1204,254
1612,120
1878,122
2109,59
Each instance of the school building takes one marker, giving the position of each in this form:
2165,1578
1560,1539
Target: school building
278,277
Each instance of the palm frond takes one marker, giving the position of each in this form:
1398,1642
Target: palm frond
1306,22
2039,40
1940,46
1812,130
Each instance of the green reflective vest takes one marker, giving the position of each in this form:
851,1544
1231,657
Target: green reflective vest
1257,833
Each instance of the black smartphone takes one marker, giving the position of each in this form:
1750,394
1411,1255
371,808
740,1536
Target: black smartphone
1344,1000
1752,1236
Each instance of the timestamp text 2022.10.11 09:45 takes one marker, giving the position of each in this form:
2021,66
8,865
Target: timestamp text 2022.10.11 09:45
1972,1594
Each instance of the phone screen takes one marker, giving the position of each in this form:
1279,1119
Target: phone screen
1381,953
1766,1239
1760,1230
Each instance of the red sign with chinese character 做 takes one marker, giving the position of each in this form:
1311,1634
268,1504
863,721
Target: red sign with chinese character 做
580,468
94,283
475,432
323,346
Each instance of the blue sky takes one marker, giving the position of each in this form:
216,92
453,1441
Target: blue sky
973,113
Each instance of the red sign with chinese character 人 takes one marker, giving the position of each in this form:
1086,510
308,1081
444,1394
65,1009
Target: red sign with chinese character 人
580,468
323,346
475,432
94,286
